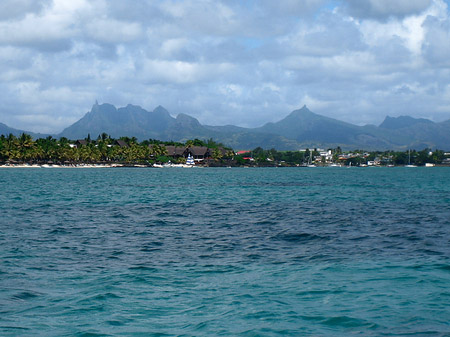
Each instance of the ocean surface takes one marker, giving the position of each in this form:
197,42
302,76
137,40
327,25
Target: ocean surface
225,252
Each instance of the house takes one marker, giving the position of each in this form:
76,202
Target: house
81,142
175,151
328,155
198,152
121,143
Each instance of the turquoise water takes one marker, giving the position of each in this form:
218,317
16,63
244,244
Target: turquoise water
207,252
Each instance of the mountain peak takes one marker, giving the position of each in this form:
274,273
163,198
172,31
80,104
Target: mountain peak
161,110
304,111
301,128
400,122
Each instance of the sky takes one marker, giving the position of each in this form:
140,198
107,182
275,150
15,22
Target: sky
241,62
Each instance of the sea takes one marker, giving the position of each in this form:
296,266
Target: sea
225,251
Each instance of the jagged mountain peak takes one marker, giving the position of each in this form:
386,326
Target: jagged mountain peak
160,109
301,112
187,120
400,122
131,120
301,128
102,108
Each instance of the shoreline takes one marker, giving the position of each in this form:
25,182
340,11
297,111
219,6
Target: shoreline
85,166
63,166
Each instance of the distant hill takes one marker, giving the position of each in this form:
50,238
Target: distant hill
300,129
130,121
6,130
313,130
395,123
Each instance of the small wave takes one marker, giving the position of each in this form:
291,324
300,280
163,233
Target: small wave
13,327
25,295
318,292
99,298
444,267
143,268
115,323
299,237
341,321
58,230
349,322
91,334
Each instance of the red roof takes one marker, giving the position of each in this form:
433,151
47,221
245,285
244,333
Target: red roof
243,151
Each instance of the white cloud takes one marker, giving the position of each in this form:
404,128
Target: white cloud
292,7
113,31
437,46
224,61
382,9
13,9
179,72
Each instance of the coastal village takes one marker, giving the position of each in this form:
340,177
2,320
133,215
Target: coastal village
106,151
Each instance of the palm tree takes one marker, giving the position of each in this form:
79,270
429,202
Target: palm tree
157,150
11,152
102,147
49,148
217,154
25,144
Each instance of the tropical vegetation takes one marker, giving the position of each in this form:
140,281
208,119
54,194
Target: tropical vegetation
129,151
104,149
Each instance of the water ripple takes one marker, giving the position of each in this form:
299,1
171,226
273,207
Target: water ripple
224,252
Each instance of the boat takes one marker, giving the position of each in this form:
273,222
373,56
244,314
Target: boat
310,163
190,160
409,160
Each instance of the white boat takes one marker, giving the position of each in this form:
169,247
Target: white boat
409,160
310,163
190,160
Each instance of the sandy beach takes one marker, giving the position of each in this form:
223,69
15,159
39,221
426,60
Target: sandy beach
61,166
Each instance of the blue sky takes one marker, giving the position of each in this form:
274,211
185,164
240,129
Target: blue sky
224,62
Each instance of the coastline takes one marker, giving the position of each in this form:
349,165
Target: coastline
87,166
63,166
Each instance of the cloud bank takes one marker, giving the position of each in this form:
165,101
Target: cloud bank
224,62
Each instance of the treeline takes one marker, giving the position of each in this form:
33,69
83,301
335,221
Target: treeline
272,157
104,149
128,150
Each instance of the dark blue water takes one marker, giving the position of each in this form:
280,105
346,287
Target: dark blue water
207,252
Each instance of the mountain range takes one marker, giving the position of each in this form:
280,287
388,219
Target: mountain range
6,130
300,129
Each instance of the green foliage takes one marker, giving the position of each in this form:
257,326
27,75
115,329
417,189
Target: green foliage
217,154
240,160
163,159
62,151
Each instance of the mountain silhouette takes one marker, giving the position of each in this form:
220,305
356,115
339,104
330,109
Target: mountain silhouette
300,129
